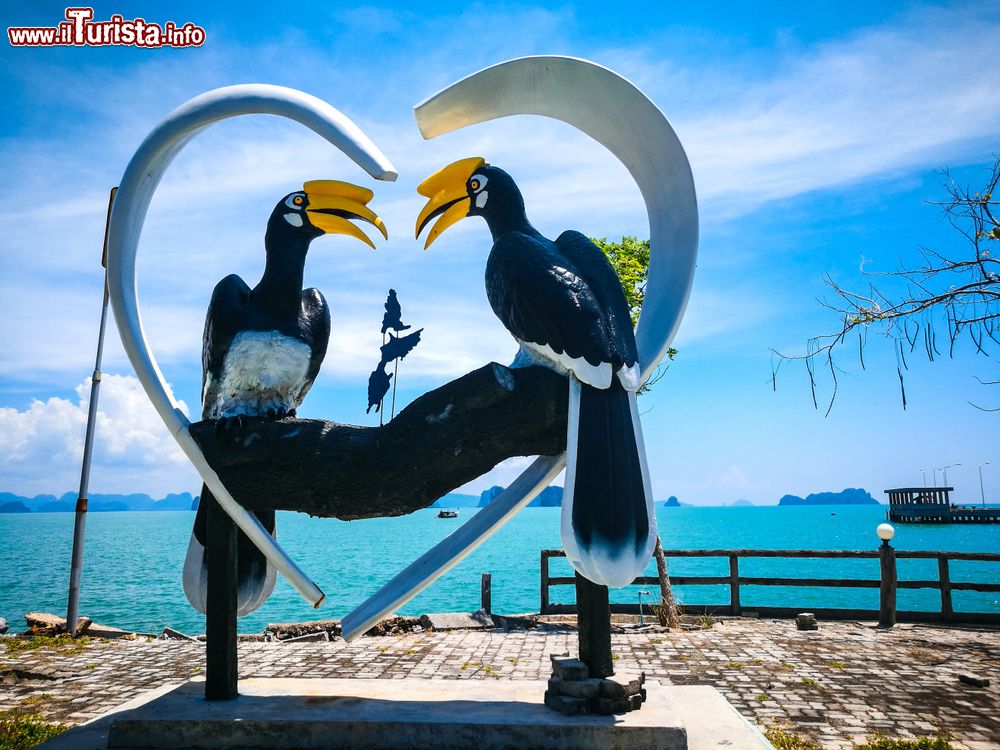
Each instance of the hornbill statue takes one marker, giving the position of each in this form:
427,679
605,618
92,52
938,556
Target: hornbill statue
564,304
262,350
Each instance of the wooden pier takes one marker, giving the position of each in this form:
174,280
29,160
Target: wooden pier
933,505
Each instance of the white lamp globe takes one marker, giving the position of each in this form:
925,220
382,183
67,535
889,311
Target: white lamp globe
885,531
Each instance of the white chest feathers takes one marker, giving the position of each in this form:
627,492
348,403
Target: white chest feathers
262,370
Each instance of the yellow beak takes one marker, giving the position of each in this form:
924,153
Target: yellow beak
447,196
333,203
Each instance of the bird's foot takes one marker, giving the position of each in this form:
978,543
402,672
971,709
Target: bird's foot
280,413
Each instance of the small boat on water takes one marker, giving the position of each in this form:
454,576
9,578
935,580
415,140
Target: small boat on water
447,514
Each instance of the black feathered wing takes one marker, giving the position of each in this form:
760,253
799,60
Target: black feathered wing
544,302
222,322
315,322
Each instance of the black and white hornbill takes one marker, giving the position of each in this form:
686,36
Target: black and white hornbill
263,348
564,304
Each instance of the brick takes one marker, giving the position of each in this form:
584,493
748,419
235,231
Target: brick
570,669
566,705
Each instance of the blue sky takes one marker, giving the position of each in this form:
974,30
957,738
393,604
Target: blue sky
815,132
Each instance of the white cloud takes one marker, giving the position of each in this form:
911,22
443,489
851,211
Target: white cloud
41,448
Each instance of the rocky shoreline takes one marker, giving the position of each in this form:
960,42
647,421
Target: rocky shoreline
47,624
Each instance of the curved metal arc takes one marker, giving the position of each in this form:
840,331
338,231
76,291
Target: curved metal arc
619,116
135,191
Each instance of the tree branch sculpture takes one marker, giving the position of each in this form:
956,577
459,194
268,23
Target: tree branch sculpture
445,438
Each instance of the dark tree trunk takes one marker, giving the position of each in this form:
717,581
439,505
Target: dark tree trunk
445,438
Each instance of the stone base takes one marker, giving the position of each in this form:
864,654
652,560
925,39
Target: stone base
410,714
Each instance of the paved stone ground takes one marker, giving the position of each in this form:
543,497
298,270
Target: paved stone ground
835,685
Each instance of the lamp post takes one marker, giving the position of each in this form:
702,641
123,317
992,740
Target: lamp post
923,473
887,567
80,520
642,593
982,492
936,470
945,469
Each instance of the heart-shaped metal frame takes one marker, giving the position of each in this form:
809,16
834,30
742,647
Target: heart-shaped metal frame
128,214
616,114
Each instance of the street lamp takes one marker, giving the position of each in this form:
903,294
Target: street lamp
982,493
935,476
924,474
945,468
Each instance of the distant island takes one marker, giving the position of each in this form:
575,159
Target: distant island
850,496
550,497
99,503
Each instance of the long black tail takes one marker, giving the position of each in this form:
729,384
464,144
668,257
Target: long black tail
608,526
255,579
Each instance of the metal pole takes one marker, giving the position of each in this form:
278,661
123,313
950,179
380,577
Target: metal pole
80,522
924,474
982,492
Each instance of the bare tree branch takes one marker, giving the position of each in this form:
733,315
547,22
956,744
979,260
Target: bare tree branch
966,289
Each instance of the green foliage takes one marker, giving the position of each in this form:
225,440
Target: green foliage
64,644
630,259
19,730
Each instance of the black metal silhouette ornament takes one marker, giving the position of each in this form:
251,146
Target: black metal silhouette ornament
392,320
393,349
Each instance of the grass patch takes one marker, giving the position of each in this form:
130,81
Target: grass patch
19,730
64,644
734,665
786,667
763,697
837,664
881,742
513,660
808,681
782,739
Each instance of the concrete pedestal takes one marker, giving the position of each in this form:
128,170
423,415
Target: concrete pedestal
411,714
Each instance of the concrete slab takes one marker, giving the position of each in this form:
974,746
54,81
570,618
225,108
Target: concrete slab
410,714
457,621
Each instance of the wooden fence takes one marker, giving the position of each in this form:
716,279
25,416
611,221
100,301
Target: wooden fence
887,583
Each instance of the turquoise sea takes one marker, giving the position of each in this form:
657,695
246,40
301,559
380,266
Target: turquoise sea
132,575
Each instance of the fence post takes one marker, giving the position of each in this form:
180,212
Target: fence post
486,593
887,589
543,605
735,607
945,578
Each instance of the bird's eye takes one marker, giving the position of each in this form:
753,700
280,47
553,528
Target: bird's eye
477,182
295,201
474,184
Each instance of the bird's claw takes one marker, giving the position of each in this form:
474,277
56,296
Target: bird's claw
280,413
230,427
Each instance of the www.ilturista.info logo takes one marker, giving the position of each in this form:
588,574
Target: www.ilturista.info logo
80,30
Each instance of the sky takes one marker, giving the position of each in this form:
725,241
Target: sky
816,135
